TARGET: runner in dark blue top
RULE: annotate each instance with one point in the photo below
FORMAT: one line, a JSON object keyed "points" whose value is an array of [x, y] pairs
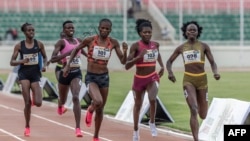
{"points": [[30, 51]]}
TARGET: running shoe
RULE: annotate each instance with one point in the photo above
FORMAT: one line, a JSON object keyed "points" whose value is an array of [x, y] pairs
{"points": [[88, 118], [61, 110], [136, 136], [27, 132], [96, 139], [78, 132], [153, 129]]}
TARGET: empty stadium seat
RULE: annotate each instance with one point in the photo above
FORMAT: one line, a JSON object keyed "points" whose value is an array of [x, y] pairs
{"points": [[221, 26], [49, 25]]}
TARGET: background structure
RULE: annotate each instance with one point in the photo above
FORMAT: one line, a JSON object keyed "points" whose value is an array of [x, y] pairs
{"points": [[225, 23]]}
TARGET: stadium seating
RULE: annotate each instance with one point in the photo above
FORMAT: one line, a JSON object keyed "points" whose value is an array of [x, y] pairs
{"points": [[220, 18], [218, 27], [49, 25]]}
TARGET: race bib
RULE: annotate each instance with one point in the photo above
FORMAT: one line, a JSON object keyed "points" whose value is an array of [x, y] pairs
{"points": [[150, 56], [101, 53], [33, 58], [76, 62], [192, 56]]}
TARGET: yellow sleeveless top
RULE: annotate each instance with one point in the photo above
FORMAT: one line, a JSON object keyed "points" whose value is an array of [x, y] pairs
{"points": [[193, 53]]}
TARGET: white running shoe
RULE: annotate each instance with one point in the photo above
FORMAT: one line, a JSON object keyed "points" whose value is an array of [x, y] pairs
{"points": [[153, 129], [136, 136]]}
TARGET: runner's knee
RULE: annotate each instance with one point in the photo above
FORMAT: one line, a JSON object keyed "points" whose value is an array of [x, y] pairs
{"points": [[38, 104], [203, 115], [98, 103], [75, 98], [194, 110]]}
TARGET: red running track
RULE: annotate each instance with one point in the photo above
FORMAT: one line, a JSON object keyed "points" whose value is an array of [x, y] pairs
{"points": [[47, 125]]}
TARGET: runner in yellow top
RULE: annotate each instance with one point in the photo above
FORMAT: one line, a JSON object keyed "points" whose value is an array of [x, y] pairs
{"points": [[195, 86]]}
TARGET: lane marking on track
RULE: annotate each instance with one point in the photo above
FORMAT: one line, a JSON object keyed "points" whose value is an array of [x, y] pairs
{"points": [[49, 104], [52, 121], [12, 135]]}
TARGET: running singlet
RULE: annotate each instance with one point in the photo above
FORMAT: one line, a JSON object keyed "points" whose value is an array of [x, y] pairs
{"points": [[193, 53], [149, 59], [76, 62], [31, 54], [99, 54]]}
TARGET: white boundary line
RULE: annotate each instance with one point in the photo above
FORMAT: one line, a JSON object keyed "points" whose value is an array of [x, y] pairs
{"points": [[168, 132], [51, 121], [12, 135]]}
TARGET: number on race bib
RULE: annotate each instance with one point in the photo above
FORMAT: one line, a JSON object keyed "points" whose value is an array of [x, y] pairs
{"points": [[76, 62], [101, 53], [191, 56], [33, 58], [150, 56]]}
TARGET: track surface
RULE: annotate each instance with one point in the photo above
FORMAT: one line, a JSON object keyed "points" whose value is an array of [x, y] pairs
{"points": [[47, 125]]}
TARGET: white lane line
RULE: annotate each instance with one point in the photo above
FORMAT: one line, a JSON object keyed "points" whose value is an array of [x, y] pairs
{"points": [[52, 121], [12, 135]]}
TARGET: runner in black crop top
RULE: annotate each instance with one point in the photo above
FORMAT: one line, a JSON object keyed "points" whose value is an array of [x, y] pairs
{"points": [[32, 54], [29, 72]]}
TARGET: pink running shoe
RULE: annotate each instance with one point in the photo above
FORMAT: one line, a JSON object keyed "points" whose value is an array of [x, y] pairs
{"points": [[88, 118], [78, 132], [27, 132], [96, 139], [61, 110]]}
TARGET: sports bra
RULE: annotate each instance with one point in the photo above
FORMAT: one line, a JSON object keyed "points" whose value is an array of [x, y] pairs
{"points": [[76, 62], [149, 59], [99, 54], [193, 53]]}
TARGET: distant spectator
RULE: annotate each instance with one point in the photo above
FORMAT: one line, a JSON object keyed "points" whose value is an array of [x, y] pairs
{"points": [[138, 5], [11, 35], [14, 34], [8, 35], [130, 12]]}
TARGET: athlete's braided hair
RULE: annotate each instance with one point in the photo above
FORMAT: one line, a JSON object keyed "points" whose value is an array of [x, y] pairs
{"points": [[140, 23], [23, 27], [185, 25]]}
